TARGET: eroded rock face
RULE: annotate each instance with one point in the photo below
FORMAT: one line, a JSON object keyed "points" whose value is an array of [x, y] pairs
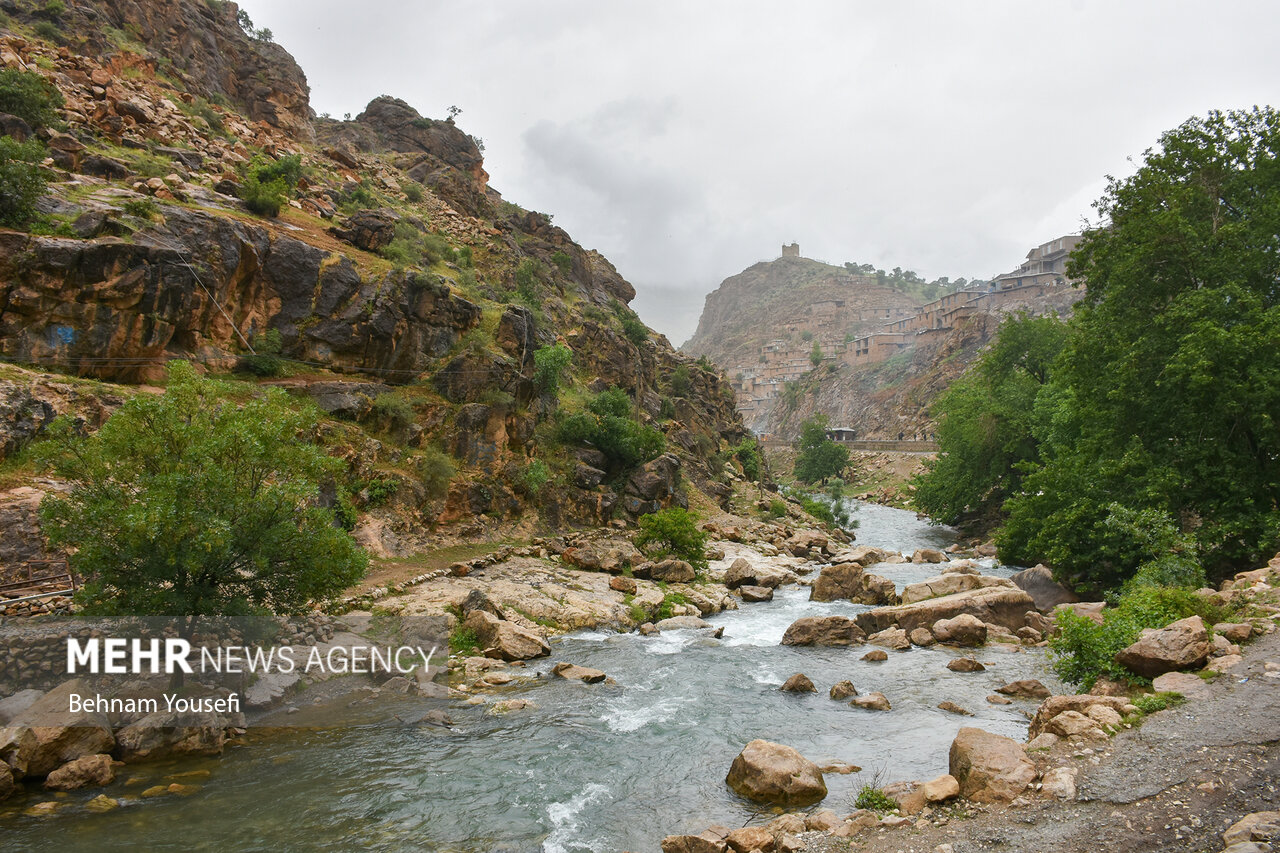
{"points": [[823, 631], [91, 771], [849, 581], [604, 555], [61, 735], [772, 773], [989, 768], [1080, 703], [949, 584], [1180, 645], [164, 735], [1047, 593]]}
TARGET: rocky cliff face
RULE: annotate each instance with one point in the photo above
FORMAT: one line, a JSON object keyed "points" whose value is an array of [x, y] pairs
{"points": [[201, 44], [406, 299], [777, 299]]}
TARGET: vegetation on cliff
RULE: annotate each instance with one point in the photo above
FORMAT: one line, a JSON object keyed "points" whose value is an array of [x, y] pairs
{"points": [[1159, 415]]}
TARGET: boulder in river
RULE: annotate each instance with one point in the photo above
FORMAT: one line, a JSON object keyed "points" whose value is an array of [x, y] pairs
{"points": [[1025, 688], [91, 771], [505, 640], [890, 638], [875, 656], [989, 768], [672, 571], [962, 630], [742, 572], [165, 734], [997, 605], [872, 702], [573, 672], [928, 555], [799, 683], [59, 735], [823, 631], [751, 593], [693, 844], [949, 584], [965, 665], [843, 690], [773, 773], [842, 581]]}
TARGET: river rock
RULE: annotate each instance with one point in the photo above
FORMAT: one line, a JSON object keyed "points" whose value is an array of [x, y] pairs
{"points": [[506, 706], [962, 630], [949, 584], [823, 631], [872, 702], [91, 771], [996, 699], [692, 844], [998, 605], [890, 638], [799, 683], [849, 581], [1259, 826], [1070, 724], [1180, 645], [942, 788], [572, 672], [1235, 632], [164, 735], [875, 656], [751, 593], [773, 773], [1188, 684], [953, 708], [807, 543], [1025, 688], [1055, 705], [12, 706], [823, 820], [101, 804], [742, 572], [921, 637], [7, 784], [1044, 740], [677, 622], [1091, 610], [928, 555], [505, 640], [863, 555], [622, 584], [1060, 783], [965, 665], [989, 768], [604, 555], [672, 571], [17, 745], [60, 735], [843, 690], [1047, 593], [750, 838]]}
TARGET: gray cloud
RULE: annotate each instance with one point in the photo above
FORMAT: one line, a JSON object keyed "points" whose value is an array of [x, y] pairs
{"points": [[687, 140]]}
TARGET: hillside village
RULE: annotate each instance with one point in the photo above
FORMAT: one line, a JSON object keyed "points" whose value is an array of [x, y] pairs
{"points": [[1040, 284]]}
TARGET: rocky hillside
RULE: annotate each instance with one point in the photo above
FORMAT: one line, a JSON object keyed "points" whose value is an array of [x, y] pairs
{"points": [[786, 298], [394, 288]]}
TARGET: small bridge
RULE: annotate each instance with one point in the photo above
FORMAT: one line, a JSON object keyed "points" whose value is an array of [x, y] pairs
{"points": [[36, 579]]}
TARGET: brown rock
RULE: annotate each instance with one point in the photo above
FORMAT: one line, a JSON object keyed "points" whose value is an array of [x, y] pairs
{"points": [[1251, 828], [1091, 610], [823, 631], [1026, 688], [572, 672], [891, 638], [843, 690], [999, 700], [928, 555], [741, 572], [998, 605], [755, 593], [799, 683], [1074, 724], [625, 585], [7, 785], [989, 768], [875, 656], [773, 773], [60, 735], [91, 771], [672, 571], [965, 665], [503, 640], [1047, 593], [949, 584], [953, 708], [1180, 645], [1235, 632], [1055, 705], [962, 630], [942, 788], [750, 838], [921, 637], [604, 555], [872, 702], [164, 735], [848, 581]]}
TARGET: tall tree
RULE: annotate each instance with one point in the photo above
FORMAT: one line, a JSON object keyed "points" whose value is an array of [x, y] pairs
{"points": [[820, 458], [1167, 398]]}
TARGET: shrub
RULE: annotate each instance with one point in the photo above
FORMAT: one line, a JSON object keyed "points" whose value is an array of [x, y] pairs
{"points": [[378, 491], [392, 410], [533, 477], [875, 800], [563, 262], [28, 96], [674, 533], [48, 31], [548, 365], [777, 508], [436, 469], [528, 275], [269, 184], [1083, 650], [358, 197], [748, 454], [464, 642], [464, 257], [1152, 702], [633, 329], [413, 192], [681, 384], [143, 208], [608, 426], [265, 360], [53, 9], [21, 181]]}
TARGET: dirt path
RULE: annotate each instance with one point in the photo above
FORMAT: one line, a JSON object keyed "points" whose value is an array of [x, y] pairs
{"points": [[1171, 785]]}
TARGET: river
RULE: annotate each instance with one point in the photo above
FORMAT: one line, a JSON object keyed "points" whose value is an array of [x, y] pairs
{"points": [[593, 768]]}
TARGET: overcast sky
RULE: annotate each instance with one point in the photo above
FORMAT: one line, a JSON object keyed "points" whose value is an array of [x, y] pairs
{"points": [[688, 139]]}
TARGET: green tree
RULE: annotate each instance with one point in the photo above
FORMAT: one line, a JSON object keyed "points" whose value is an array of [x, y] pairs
{"points": [[1167, 397], [815, 356], [820, 458], [608, 426], [188, 505], [21, 181], [548, 365], [985, 422], [674, 533], [29, 96]]}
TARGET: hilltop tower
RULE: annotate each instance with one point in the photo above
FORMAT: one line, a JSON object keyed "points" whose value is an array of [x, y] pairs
{"points": [[791, 251]]}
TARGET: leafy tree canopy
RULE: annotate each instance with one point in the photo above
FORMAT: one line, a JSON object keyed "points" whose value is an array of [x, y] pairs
{"points": [[1166, 401], [188, 504], [820, 458]]}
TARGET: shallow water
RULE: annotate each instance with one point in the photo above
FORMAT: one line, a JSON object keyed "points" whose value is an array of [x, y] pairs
{"points": [[594, 767]]}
